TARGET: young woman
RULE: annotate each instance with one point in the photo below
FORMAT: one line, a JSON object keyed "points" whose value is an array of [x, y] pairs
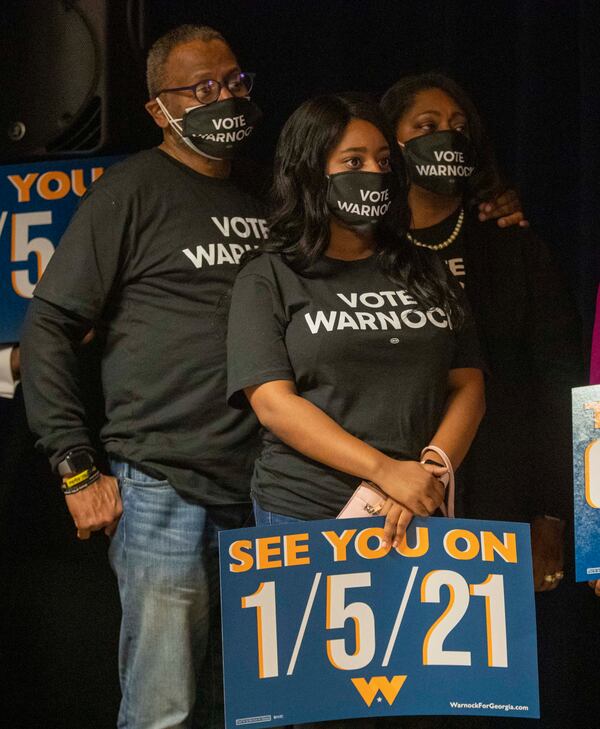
{"points": [[519, 466], [352, 346]]}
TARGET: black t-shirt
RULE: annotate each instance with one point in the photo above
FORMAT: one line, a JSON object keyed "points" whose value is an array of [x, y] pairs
{"points": [[454, 254], [152, 252], [358, 348]]}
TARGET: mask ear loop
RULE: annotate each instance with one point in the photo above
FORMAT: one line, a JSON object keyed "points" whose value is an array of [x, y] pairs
{"points": [[179, 129], [407, 180], [172, 121]]}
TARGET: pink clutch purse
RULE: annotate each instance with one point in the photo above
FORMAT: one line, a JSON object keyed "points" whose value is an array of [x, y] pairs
{"points": [[367, 500]]}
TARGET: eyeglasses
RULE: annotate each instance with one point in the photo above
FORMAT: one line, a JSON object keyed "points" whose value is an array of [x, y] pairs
{"points": [[238, 83]]}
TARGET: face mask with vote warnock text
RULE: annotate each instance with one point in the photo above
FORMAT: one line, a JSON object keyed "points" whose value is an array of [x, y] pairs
{"points": [[441, 162], [217, 130], [360, 198]]}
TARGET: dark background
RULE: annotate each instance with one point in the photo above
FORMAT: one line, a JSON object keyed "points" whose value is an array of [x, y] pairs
{"points": [[533, 68]]}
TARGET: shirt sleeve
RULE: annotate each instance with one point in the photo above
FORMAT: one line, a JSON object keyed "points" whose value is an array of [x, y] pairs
{"points": [[50, 364], [7, 383], [86, 265], [68, 301], [256, 351]]}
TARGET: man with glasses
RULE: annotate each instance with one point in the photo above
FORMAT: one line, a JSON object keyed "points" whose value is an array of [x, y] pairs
{"points": [[148, 260]]}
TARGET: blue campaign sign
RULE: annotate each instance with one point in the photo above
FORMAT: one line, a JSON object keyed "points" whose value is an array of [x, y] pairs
{"points": [[36, 204], [321, 622], [586, 480]]}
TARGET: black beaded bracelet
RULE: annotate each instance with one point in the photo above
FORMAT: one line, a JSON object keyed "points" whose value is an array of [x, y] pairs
{"points": [[430, 462]]}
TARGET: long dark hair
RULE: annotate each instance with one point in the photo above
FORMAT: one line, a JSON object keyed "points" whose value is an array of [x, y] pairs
{"points": [[486, 182], [299, 216]]}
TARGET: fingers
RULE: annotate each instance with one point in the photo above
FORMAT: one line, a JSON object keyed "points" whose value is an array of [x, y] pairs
{"points": [[436, 491], [514, 219], [437, 471], [397, 520], [89, 336], [418, 508], [112, 528], [427, 504], [401, 527], [387, 505], [505, 204], [595, 585], [553, 583], [547, 578], [83, 533], [506, 208], [432, 504], [391, 520]]}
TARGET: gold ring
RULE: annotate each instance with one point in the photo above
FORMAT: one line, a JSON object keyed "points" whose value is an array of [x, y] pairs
{"points": [[559, 575], [550, 578]]}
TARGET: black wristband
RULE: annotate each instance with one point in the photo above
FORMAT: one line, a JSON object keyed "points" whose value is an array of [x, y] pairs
{"points": [[430, 462]]}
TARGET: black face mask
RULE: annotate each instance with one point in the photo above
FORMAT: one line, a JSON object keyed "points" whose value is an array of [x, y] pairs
{"points": [[440, 162], [360, 198], [218, 130]]}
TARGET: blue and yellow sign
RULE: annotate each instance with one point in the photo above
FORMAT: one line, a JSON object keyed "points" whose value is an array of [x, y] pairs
{"points": [[320, 621], [586, 479], [37, 201]]}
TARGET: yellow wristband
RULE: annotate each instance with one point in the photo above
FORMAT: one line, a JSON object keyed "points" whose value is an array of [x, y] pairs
{"points": [[76, 479]]}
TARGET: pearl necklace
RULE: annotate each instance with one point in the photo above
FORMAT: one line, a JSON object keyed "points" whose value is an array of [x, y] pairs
{"points": [[450, 239]]}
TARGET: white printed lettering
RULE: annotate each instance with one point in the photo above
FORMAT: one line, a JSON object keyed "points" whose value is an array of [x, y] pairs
{"points": [[352, 301], [448, 156], [217, 254], [321, 320], [242, 227], [345, 321], [456, 266], [364, 299], [421, 318], [201, 254], [237, 251], [374, 196], [230, 122], [390, 318], [442, 322], [223, 255], [406, 298], [366, 320], [223, 227]]}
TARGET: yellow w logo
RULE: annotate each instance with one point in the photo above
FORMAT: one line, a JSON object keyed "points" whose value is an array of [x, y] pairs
{"points": [[369, 689]]}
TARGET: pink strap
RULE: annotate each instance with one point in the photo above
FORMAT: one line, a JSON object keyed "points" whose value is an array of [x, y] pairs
{"points": [[451, 485]]}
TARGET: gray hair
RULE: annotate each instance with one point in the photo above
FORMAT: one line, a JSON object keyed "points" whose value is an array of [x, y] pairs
{"points": [[160, 50]]}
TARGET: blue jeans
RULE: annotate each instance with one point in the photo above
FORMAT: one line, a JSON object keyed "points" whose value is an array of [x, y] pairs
{"points": [[266, 518], [164, 553]]}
